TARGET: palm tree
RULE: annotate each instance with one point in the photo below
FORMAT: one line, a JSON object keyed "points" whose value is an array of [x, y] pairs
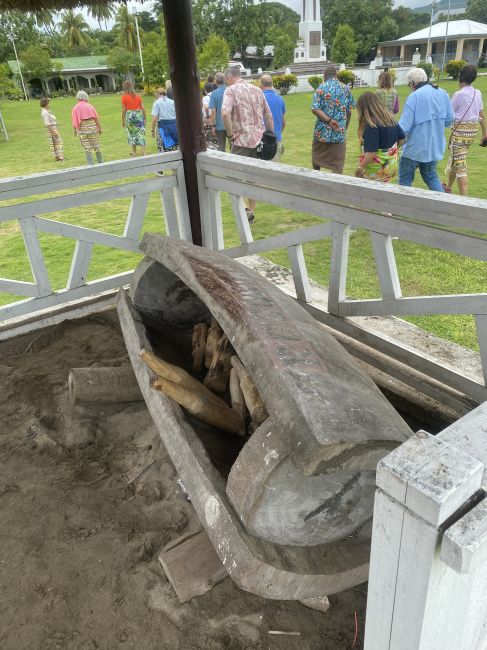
{"points": [[102, 12], [75, 30], [125, 26], [45, 19]]}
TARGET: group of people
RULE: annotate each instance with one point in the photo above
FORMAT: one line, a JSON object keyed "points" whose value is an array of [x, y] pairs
{"points": [[86, 123], [239, 112], [420, 132]]}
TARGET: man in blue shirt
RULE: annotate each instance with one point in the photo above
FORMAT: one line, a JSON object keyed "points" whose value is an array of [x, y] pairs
{"points": [[164, 118], [332, 105], [427, 112], [215, 106], [278, 110]]}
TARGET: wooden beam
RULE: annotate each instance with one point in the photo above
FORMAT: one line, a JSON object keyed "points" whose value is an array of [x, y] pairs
{"points": [[181, 48]]}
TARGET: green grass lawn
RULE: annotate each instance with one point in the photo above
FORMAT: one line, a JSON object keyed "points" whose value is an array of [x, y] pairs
{"points": [[423, 271]]}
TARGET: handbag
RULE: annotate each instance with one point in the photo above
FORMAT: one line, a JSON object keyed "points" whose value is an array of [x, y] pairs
{"points": [[267, 147]]}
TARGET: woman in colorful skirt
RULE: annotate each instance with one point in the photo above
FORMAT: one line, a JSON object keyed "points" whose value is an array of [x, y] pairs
{"points": [[380, 136], [469, 112], [53, 136], [387, 93], [86, 125], [133, 118]]}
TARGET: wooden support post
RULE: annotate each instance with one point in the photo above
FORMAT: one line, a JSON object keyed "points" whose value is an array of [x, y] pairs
{"points": [[181, 48], [427, 524]]}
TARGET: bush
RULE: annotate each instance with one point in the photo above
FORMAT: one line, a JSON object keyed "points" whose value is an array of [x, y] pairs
{"points": [[427, 67], [150, 89], [347, 77], [315, 81], [284, 82], [453, 68]]}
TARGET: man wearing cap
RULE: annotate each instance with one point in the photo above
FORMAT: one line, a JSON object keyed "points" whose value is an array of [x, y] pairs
{"points": [[332, 105], [278, 110]]}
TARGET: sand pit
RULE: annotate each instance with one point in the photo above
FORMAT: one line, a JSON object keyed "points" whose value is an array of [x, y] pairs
{"points": [[79, 542]]}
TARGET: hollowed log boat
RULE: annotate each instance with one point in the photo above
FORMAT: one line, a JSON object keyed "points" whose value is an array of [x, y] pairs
{"points": [[289, 508]]}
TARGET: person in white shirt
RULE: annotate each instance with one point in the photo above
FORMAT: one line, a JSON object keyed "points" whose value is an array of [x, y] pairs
{"points": [[53, 135], [164, 126]]}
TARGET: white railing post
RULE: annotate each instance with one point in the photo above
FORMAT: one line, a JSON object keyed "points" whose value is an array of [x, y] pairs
{"points": [[340, 240], [425, 487], [300, 273], [36, 258]]}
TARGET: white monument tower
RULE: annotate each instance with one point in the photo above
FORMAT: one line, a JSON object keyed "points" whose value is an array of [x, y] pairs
{"points": [[310, 47]]}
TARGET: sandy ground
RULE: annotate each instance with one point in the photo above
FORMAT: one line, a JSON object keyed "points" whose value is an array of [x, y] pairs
{"points": [[79, 546]]}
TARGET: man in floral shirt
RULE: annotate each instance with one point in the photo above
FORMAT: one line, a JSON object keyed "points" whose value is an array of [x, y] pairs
{"points": [[245, 112], [332, 105]]}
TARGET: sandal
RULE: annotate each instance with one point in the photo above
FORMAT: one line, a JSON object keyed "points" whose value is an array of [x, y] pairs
{"points": [[446, 188]]}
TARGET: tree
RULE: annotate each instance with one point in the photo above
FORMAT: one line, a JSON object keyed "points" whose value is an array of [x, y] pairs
{"points": [[102, 12], [36, 61], [344, 46], [8, 87], [477, 10], [284, 46], [125, 28], [156, 59], [214, 55], [147, 22], [21, 27], [75, 30], [45, 19], [121, 60], [409, 21], [365, 17]]}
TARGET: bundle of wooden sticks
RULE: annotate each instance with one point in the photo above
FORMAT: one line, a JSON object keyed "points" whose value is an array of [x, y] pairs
{"points": [[227, 398]]}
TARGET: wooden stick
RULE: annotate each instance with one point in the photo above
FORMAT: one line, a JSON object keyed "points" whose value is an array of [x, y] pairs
{"points": [[238, 402], [200, 332], [219, 371], [190, 393], [253, 400], [214, 335], [114, 384], [204, 405]]}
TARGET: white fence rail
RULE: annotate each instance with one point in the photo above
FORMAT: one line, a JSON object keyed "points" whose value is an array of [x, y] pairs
{"points": [[39, 293], [444, 222]]}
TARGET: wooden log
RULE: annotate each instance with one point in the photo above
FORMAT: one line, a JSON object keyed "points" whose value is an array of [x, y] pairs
{"points": [[253, 400], [214, 335], [203, 405], [200, 332], [117, 384], [219, 371], [192, 395], [238, 402]]}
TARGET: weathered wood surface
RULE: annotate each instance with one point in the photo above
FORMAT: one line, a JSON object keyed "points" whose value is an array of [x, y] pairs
{"points": [[99, 385], [279, 572], [192, 565], [334, 417]]}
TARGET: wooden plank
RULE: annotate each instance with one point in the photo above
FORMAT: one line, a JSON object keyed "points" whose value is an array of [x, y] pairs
{"points": [[15, 309], [182, 204], [417, 305], [88, 197], [313, 233], [19, 186], [206, 227], [481, 326], [241, 219], [300, 273], [36, 258], [85, 234], [444, 209], [136, 215], [401, 227], [464, 546], [338, 266], [216, 219], [385, 262], [170, 213], [192, 566], [387, 530], [80, 264], [19, 288]]}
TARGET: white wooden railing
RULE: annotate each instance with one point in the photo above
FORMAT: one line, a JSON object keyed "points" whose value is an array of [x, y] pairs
{"points": [[445, 222], [39, 293]]}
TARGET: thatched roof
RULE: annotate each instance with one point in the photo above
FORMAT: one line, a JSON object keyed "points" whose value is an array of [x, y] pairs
{"points": [[40, 5]]}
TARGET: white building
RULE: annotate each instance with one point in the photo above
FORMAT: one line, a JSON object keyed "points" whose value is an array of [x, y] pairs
{"points": [[465, 39], [310, 46]]}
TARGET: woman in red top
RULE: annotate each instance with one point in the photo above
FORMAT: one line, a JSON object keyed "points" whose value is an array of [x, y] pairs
{"points": [[133, 118]]}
